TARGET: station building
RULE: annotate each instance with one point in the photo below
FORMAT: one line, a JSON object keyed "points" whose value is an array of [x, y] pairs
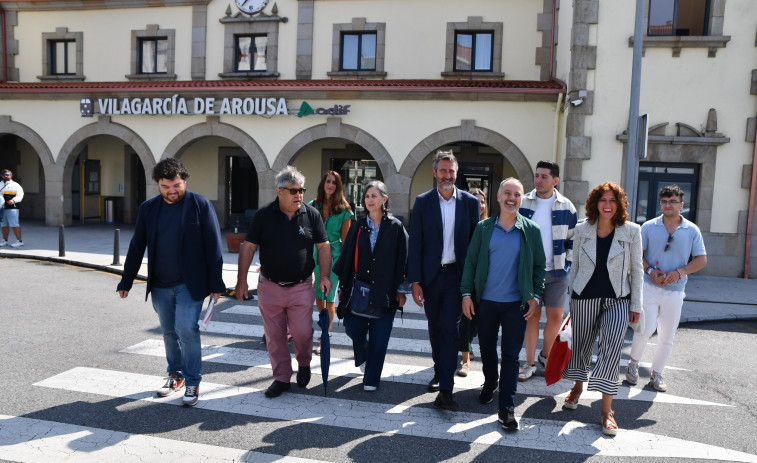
{"points": [[95, 92]]}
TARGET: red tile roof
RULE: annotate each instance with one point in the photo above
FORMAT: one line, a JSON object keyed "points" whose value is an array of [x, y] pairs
{"points": [[474, 86]]}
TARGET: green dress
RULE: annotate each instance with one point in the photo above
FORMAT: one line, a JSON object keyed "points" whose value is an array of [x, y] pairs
{"points": [[334, 231]]}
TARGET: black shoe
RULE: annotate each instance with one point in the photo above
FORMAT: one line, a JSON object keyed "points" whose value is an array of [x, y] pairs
{"points": [[507, 418], [445, 401], [303, 376], [433, 385], [487, 393], [275, 389]]}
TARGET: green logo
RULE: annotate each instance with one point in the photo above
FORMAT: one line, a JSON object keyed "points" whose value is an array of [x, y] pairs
{"points": [[305, 109]]}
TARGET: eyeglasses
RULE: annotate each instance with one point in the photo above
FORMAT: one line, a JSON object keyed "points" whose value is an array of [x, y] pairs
{"points": [[295, 191], [672, 202], [667, 245]]}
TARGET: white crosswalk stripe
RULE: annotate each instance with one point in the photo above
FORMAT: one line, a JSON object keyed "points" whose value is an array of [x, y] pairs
{"points": [[408, 364], [409, 374], [425, 422], [26, 439]]}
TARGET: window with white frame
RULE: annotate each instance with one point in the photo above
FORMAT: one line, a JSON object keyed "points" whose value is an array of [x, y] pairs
{"points": [[62, 55]]}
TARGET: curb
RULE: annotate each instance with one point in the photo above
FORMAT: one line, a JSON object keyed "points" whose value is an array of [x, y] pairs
{"points": [[74, 263]]}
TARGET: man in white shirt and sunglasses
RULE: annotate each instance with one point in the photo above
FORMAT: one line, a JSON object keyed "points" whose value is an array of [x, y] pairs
{"points": [[673, 248]]}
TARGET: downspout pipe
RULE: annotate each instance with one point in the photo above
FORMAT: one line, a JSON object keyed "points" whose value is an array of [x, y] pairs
{"points": [[5, 47], [552, 42], [750, 211]]}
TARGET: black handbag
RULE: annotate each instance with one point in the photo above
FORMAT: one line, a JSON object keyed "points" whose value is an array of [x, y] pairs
{"points": [[361, 292]]}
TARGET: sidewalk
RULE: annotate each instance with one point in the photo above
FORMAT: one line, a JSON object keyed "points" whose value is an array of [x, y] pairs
{"points": [[707, 298]]}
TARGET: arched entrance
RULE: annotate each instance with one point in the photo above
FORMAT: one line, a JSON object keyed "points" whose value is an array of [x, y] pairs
{"points": [[232, 178], [105, 164]]}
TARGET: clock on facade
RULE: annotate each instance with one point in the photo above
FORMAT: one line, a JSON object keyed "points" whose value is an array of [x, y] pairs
{"points": [[251, 6]]}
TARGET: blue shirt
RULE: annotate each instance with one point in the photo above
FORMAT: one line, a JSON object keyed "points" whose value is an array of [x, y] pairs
{"points": [[374, 231], [687, 241], [504, 256]]}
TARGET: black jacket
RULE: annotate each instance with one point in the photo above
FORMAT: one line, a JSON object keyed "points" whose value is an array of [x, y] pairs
{"points": [[386, 264]]}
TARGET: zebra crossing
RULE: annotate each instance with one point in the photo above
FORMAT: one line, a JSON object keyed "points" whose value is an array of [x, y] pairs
{"points": [[232, 340]]}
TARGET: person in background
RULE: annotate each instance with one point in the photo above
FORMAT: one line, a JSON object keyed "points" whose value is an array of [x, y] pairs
{"points": [[12, 194], [503, 292], [184, 264], [441, 225], [669, 240], [469, 326], [336, 214], [285, 231], [606, 282], [556, 217], [380, 241]]}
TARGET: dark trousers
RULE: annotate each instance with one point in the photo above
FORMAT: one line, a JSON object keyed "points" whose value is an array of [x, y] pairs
{"points": [[492, 315], [370, 338], [444, 307]]}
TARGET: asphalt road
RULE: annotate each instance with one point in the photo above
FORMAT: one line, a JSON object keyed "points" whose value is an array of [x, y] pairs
{"points": [[80, 367]]}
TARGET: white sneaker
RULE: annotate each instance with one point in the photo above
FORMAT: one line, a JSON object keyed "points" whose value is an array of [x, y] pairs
{"points": [[369, 388], [542, 359], [526, 372], [17, 244], [3, 243], [632, 373], [657, 382]]}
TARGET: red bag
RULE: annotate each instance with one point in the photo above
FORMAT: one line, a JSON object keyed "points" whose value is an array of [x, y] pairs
{"points": [[559, 356]]}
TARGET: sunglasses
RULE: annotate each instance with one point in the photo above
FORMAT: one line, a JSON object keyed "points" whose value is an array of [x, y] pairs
{"points": [[667, 245], [295, 191]]}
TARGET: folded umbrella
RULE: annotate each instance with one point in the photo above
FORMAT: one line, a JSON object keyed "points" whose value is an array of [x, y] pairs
{"points": [[323, 322]]}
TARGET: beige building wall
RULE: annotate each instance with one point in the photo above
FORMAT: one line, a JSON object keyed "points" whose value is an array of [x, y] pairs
{"points": [[106, 49]]}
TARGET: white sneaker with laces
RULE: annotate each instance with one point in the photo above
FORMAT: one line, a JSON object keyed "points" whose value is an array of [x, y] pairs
{"points": [[526, 372], [632, 373], [3, 243], [17, 244], [657, 382], [191, 395]]}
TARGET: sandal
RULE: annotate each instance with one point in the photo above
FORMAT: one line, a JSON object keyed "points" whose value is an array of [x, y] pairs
{"points": [[609, 426], [571, 402]]}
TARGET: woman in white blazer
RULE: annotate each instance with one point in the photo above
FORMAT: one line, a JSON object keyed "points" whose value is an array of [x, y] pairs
{"points": [[606, 290]]}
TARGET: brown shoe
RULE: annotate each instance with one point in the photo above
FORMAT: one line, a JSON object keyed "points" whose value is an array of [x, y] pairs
{"points": [[609, 426], [571, 402]]}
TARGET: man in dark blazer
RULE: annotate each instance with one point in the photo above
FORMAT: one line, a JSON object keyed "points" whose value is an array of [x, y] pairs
{"points": [[184, 263], [441, 226]]}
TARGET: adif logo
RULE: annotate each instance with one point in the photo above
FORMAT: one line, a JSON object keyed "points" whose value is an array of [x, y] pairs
{"points": [[337, 110], [302, 231]]}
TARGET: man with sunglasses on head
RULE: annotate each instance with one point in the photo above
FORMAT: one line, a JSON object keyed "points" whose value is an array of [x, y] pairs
{"points": [[669, 241], [12, 194], [285, 231]]}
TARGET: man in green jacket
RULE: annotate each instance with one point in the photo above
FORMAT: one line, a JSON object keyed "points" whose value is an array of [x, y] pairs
{"points": [[503, 291]]}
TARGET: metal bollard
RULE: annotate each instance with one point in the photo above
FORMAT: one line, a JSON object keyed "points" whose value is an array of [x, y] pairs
{"points": [[116, 247], [61, 242]]}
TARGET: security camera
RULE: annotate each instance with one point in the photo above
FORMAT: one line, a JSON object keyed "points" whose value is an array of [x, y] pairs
{"points": [[577, 102]]}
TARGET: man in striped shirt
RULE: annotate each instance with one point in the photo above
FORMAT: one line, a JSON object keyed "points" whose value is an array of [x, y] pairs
{"points": [[556, 216]]}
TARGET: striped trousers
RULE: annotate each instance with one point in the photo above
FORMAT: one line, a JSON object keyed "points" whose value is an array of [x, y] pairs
{"points": [[608, 319]]}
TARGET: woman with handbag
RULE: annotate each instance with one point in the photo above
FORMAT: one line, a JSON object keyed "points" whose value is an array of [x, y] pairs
{"points": [[371, 268], [606, 293], [336, 214]]}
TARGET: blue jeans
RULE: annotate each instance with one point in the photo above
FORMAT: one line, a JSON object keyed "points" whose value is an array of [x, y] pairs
{"points": [[492, 315], [178, 314], [370, 339]]}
